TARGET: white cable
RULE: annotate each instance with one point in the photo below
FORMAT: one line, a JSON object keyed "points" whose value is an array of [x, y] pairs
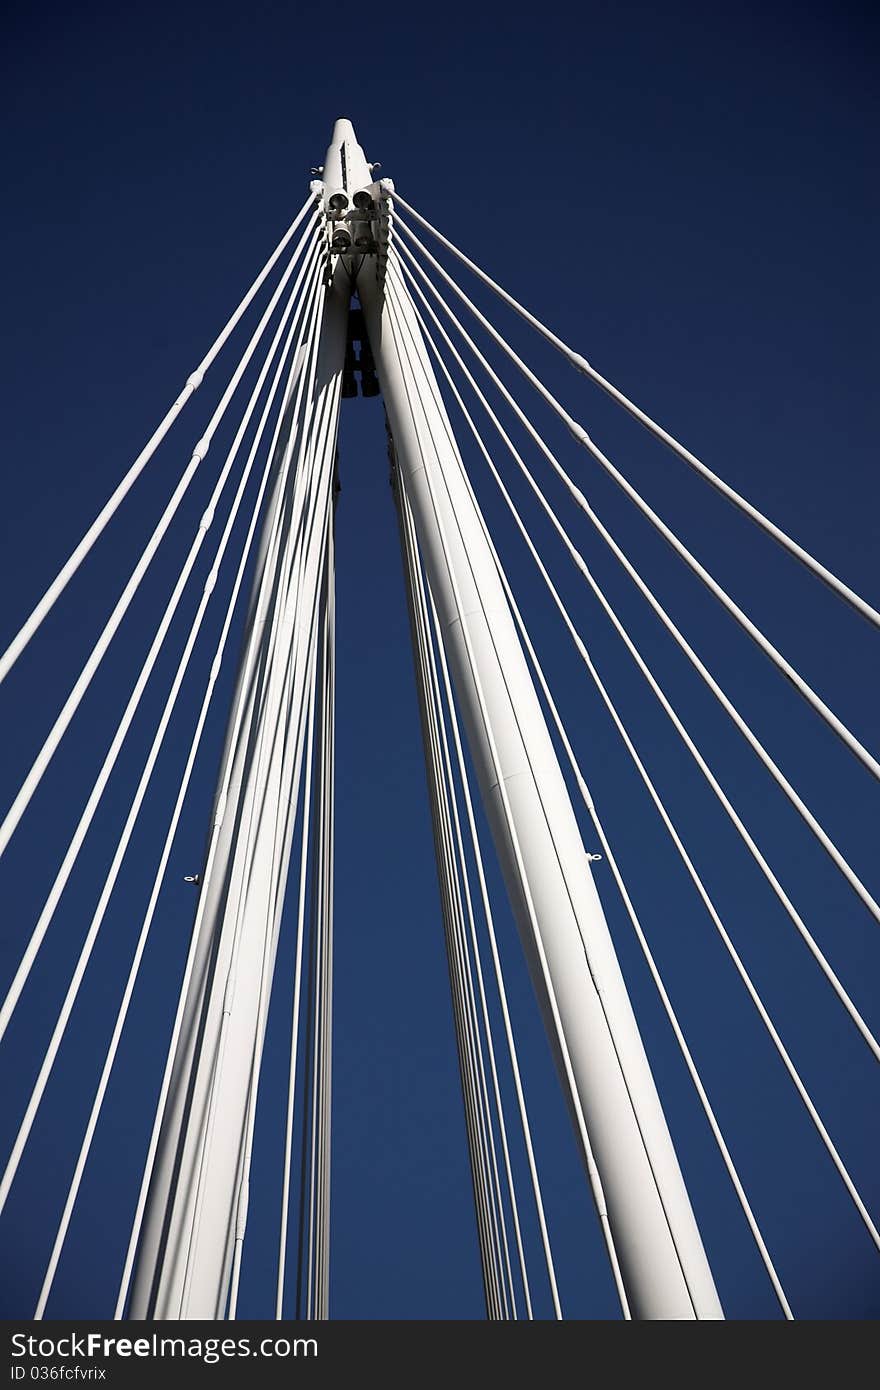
{"points": [[242, 1195], [317, 949], [288, 680], [582, 365], [499, 1224], [255, 644], [592, 1171], [751, 738], [327, 870], [71, 704], [312, 464], [319, 1176], [14, 993], [423, 590], [66, 573], [600, 996], [487, 909], [286, 675], [279, 1295], [755, 997], [391, 282], [502, 992], [679, 726], [496, 1260], [451, 862], [288, 684], [580, 434], [146, 775], [159, 876], [609, 854], [302, 701], [295, 1012]]}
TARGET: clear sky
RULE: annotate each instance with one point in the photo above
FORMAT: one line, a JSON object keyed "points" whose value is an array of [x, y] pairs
{"points": [[687, 193]]}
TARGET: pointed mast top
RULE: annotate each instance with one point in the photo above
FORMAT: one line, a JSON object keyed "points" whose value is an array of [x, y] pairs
{"points": [[346, 170]]}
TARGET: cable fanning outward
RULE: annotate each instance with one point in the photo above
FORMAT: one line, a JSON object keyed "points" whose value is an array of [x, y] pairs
{"points": [[83, 681], [193, 382], [184, 784], [590, 805], [587, 1148], [457, 904], [577, 431], [710, 906], [582, 365], [291, 638], [134, 810], [499, 977], [677, 723], [193, 1200], [744, 728], [100, 784], [257, 641]]}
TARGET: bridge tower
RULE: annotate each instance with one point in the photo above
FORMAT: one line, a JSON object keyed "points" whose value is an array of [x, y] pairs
{"points": [[196, 1207]]}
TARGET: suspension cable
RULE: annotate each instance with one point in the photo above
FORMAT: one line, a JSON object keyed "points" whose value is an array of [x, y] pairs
{"points": [[432, 623], [678, 724], [744, 728], [592, 1171], [499, 1110], [582, 437], [612, 861], [701, 889], [71, 704], [279, 873], [175, 817], [286, 680], [582, 365], [256, 643], [454, 844], [193, 382], [140, 793], [14, 993], [295, 1010]]}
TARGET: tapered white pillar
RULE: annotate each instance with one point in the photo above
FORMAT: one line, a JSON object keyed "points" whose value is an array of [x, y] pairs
{"points": [[664, 1266]]}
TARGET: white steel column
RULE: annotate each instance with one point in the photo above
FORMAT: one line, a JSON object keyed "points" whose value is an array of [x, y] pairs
{"points": [[198, 1196], [664, 1267]]}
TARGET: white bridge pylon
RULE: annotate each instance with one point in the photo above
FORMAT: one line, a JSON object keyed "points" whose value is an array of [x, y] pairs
{"points": [[351, 270], [187, 1260], [359, 293]]}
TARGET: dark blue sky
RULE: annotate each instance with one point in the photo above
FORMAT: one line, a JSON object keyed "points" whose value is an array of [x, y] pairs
{"points": [[685, 193]]}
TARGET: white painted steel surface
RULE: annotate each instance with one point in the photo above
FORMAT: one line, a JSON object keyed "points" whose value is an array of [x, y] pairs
{"points": [[664, 1266], [198, 1195]]}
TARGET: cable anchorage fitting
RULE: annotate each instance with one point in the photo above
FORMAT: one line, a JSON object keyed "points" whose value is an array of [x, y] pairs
{"points": [[580, 363], [579, 433]]}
